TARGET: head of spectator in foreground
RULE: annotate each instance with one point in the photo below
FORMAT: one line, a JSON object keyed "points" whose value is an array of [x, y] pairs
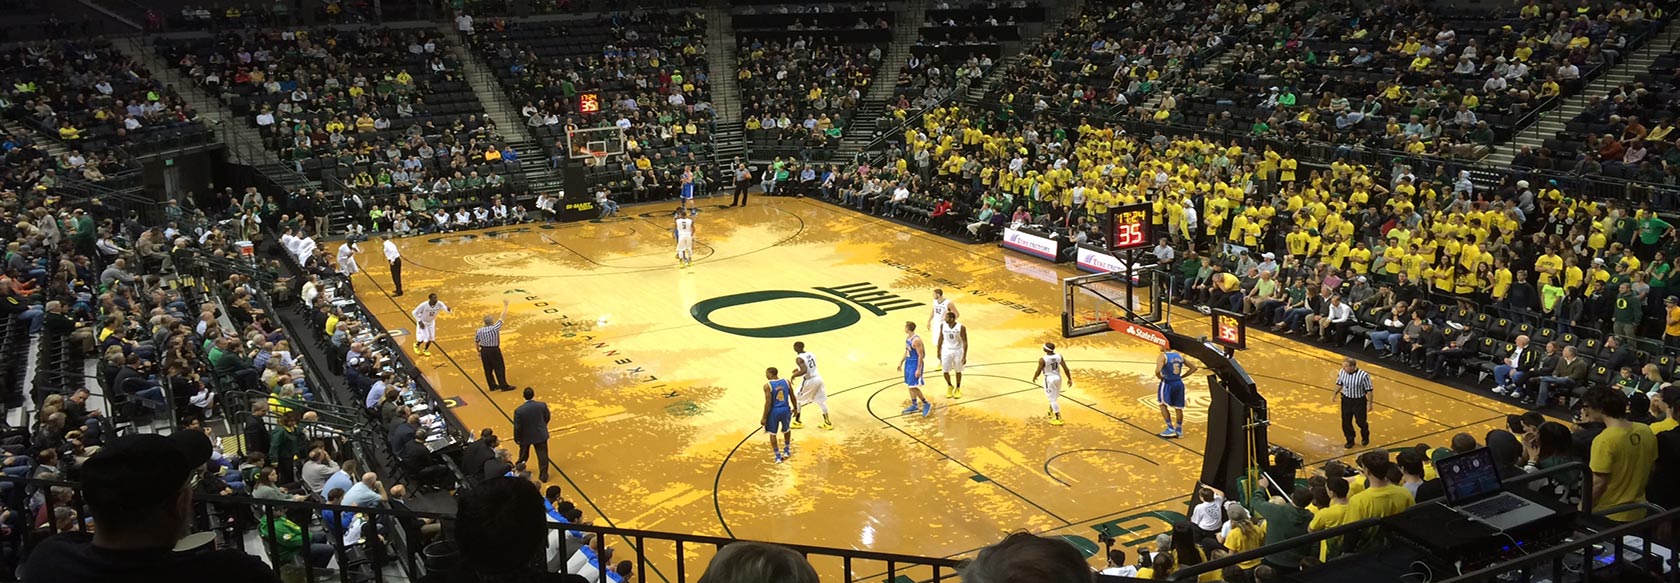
{"points": [[1463, 442], [755, 562], [139, 488], [1027, 558], [1603, 403], [500, 529]]}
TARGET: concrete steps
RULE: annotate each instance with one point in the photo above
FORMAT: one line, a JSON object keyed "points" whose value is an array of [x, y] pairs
{"points": [[488, 89], [1551, 122], [869, 122], [721, 65], [47, 144], [244, 142]]}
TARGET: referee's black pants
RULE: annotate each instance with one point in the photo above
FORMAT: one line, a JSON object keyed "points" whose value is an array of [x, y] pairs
{"points": [[740, 193], [1353, 412], [396, 274], [495, 369]]}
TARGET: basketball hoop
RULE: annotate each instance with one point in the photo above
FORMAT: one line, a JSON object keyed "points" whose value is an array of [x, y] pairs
{"points": [[598, 158]]}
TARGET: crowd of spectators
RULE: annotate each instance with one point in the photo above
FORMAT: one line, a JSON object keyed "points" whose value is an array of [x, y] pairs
{"points": [[1625, 134], [810, 8], [91, 96], [1612, 438], [648, 70], [803, 89], [397, 121], [253, 14], [1105, 59], [1404, 77], [1526, 252]]}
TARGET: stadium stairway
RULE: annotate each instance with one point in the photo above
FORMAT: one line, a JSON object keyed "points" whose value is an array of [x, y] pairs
{"points": [[730, 138], [533, 160], [51, 146], [866, 124], [720, 66], [488, 91], [1552, 122], [244, 144], [1054, 18], [1213, 66]]}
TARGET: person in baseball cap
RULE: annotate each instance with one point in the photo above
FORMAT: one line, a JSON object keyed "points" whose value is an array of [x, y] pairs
{"points": [[139, 490]]}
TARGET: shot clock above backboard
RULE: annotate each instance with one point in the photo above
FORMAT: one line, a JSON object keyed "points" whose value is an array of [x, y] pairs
{"points": [[589, 102], [1131, 227], [1229, 330]]}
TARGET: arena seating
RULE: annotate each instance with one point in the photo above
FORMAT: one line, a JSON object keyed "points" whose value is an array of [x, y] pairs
{"points": [[399, 117], [1445, 85], [1599, 141], [802, 91], [391, 127], [1112, 57], [90, 96], [189, 15], [651, 78]]}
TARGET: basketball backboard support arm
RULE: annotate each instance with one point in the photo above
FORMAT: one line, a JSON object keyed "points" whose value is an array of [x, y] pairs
{"points": [[1237, 416]]}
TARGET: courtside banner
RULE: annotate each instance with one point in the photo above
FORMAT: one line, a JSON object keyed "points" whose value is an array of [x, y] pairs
{"points": [[1094, 261], [1145, 333], [1035, 245]]}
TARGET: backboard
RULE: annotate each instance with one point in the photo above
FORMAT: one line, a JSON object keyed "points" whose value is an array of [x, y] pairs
{"points": [[593, 143]]}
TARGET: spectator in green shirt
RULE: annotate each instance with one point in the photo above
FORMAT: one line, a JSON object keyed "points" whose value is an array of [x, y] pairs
{"points": [[1550, 293], [1286, 520], [1652, 229], [1630, 308]]}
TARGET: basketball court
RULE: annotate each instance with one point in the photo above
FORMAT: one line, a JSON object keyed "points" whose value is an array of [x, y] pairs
{"points": [[654, 375]]}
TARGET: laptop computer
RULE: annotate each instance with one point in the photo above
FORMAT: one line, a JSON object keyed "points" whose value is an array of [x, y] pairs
{"points": [[1472, 483]]}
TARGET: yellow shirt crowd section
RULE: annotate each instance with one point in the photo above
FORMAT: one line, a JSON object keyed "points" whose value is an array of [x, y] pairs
{"points": [[1452, 250]]}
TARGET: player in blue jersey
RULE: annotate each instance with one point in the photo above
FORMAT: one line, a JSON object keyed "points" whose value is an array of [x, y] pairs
{"points": [[912, 363], [688, 187], [1171, 368], [779, 409]]}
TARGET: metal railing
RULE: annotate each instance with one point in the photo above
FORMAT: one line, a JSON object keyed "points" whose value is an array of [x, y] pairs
{"points": [[213, 513], [1352, 534], [1589, 556]]}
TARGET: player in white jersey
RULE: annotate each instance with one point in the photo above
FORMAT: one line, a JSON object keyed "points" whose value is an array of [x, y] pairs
{"points": [[685, 238], [1056, 373], [953, 353], [941, 305], [347, 259], [425, 323], [810, 391]]}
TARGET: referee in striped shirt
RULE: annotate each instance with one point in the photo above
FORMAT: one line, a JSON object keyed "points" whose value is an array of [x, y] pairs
{"points": [[1353, 390], [489, 340]]}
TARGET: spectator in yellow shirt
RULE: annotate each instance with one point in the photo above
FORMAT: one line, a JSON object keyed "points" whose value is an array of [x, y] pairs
{"points": [[1622, 456], [1382, 497]]}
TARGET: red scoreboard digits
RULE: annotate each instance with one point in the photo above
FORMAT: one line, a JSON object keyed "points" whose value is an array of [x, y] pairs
{"points": [[1229, 330], [1131, 227], [589, 102]]}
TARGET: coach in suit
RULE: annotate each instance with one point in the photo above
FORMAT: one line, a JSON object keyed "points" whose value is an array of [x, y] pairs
{"points": [[477, 453], [530, 430]]}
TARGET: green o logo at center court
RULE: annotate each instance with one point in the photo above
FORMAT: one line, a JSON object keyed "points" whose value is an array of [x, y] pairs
{"points": [[845, 316]]}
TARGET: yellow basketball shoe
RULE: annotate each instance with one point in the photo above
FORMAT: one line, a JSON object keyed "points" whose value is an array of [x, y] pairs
{"points": [[796, 424]]}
